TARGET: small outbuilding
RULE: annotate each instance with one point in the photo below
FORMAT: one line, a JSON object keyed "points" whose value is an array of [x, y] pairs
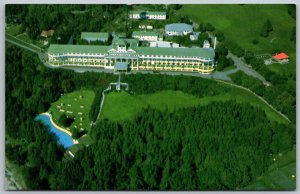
{"points": [[194, 36], [281, 57], [178, 29], [47, 33], [145, 35]]}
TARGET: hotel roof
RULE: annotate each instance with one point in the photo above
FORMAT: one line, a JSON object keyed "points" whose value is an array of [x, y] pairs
{"points": [[179, 27], [96, 49], [68, 48]]}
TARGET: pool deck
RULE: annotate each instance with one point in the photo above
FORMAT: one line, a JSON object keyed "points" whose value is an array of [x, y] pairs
{"points": [[60, 128]]}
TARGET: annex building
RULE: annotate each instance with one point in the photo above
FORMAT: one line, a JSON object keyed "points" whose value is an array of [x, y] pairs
{"points": [[137, 58], [148, 15], [146, 36], [95, 36]]}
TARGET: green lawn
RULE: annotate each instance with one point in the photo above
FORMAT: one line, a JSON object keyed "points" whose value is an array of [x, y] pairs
{"points": [[123, 106], [242, 24], [72, 102], [279, 174], [228, 68]]}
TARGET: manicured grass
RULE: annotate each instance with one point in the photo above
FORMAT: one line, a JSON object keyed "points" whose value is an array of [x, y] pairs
{"points": [[284, 68], [76, 102], [279, 174], [123, 106]]}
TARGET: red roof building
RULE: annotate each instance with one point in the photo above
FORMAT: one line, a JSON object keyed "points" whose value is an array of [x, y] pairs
{"points": [[281, 56], [47, 33]]}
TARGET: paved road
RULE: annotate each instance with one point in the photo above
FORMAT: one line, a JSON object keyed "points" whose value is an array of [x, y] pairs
{"points": [[24, 45], [241, 65]]}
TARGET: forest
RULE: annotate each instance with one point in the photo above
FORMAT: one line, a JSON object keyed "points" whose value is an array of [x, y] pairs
{"points": [[278, 95], [222, 146]]}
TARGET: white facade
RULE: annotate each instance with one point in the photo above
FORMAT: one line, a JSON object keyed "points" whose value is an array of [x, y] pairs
{"points": [[148, 15], [148, 27], [146, 37], [206, 44], [156, 17]]}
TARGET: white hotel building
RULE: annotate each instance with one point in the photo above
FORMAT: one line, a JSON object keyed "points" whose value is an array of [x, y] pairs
{"points": [[137, 58], [150, 36], [148, 15]]}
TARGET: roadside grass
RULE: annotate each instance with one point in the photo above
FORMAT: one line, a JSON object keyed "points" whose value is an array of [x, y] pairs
{"points": [[279, 174], [123, 106], [14, 29], [25, 38], [21, 42], [76, 102]]}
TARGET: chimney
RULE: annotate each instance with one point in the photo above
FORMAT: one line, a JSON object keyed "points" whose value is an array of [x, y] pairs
{"points": [[215, 42]]}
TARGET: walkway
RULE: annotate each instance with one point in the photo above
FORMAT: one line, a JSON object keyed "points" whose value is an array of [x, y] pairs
{"points": [[241, 65], [119, 83], [261, 98]]}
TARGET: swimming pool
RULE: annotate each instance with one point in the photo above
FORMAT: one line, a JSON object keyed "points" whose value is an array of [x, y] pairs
{"points": [[63, 138]]}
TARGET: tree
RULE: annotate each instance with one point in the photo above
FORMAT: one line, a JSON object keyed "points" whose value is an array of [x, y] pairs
{"points": [[209, 27], [292, 10], [221, 50], [220, 36], [293, 35], [75, 133], [67, 85], [224, 62], [175, 6], [65, 121], [269, 26], [266, 29]]}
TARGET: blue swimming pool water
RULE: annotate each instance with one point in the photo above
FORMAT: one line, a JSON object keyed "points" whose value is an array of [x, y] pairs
{"points": [[63, 138]]}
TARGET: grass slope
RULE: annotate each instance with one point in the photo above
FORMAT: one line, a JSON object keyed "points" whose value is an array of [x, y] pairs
{"points": [[86, 101], [279, 174], [243, 23], [123, 106]]}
